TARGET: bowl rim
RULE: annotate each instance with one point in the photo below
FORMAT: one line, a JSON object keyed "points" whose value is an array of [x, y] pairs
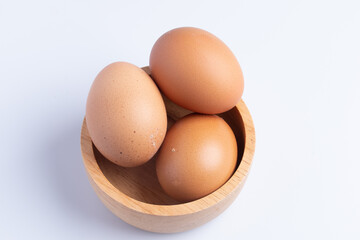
{"points": [[239, 176]]}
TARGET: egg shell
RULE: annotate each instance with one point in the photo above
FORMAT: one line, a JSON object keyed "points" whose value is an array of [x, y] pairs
{"points": [[196, 70], [197, 157], [125, 115]]}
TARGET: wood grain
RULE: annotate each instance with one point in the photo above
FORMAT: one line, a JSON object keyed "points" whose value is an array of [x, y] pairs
{"points": [[135, 196]]}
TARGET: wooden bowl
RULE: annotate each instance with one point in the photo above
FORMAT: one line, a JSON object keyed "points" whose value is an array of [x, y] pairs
{"points": [[135, 195]]}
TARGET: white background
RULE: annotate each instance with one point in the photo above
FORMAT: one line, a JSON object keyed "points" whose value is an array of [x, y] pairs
{"points": [[301, 62]]}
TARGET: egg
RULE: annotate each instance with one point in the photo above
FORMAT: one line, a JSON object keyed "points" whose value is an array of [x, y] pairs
{"points": [[198, 155], [125, 115], [196, 70]]}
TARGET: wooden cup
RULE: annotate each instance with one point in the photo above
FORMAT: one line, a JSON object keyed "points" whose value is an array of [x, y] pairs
{"points": [[135, 195]]}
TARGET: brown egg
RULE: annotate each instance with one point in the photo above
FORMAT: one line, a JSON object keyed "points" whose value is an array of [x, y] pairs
{"points": [[196, 70], [125, 115], [197, 157]]}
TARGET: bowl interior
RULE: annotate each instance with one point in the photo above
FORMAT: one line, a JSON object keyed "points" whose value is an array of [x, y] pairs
{"points": [[141, 183]]}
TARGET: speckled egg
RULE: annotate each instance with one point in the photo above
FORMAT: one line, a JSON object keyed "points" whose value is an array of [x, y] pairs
{"points": [[125, 115]]}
